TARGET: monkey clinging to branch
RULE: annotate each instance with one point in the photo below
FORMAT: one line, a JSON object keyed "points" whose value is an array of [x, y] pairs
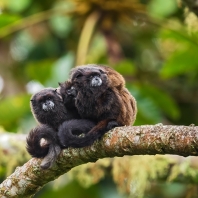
{"points": [[48, 109], [101, 96]]}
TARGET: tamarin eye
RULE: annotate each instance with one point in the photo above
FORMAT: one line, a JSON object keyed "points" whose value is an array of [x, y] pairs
{"points": [[102, 72], [95, 75]]}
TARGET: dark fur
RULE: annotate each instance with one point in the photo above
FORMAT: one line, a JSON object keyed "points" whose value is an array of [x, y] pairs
{"points": [[33, 140], [50, 151], [108, 103], [48, 109], [52, 117]]}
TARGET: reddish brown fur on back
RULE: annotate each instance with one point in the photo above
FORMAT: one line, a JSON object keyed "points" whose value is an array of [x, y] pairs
{"points": [[109, 104], [127, 103], [116, 79], [128, 108]]}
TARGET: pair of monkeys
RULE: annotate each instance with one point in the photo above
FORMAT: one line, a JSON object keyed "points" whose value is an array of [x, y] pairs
{"points": [[93, 101]]}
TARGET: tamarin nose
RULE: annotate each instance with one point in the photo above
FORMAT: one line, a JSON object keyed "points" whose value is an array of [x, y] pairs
{"points": [[48, 105], [96, 81]]}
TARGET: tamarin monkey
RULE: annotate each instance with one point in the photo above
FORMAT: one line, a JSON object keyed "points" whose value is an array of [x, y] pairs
{"points": [[101, 96], [50, 112]]}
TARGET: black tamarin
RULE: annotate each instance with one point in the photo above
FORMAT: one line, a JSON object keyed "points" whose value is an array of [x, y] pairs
{"points": [[50, 112], [101, 96]]}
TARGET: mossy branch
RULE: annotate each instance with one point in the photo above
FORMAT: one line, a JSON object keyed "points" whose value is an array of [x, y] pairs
{"points": [[133, 140]]}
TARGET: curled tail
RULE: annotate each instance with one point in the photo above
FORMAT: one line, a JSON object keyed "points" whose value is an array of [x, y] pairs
{"points": [[50, 158], [38, 141], [91, 132], [42, 143]]}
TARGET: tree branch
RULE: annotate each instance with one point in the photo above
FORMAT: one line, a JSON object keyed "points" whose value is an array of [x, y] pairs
{"points": [[133, 140]]}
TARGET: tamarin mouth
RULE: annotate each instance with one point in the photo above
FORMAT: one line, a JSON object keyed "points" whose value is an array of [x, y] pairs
{"points": [[48, 105], [96, 81]]}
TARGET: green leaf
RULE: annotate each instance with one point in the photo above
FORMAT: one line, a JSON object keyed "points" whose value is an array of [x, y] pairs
{"points": [[181, 62], [61, 69], [61, 25], [39, 70], [179, 35], [166, 104], [97, 50], [6, 19], [18, 6], [162, 8], [148, 111], [13, 109], [125, 67]]}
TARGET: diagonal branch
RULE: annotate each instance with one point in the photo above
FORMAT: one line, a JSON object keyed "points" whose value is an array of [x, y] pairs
{"points": [[133, 140]]}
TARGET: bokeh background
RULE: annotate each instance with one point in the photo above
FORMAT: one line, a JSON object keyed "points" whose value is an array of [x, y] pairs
{"points": [[152, 43]]}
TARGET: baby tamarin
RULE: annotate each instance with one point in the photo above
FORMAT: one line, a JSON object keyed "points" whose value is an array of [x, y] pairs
{"points": [[101, 97], [48, 109]]}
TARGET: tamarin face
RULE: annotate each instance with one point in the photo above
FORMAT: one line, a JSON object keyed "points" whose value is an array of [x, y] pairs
{"points": [[89, 78], [47, 106], [68, 94]]}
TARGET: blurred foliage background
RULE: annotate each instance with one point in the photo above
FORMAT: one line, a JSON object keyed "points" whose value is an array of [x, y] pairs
{"points": [[153, 43]]}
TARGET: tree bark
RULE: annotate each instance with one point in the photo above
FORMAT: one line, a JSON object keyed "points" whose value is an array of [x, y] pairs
{"points": [[132, 140]]}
